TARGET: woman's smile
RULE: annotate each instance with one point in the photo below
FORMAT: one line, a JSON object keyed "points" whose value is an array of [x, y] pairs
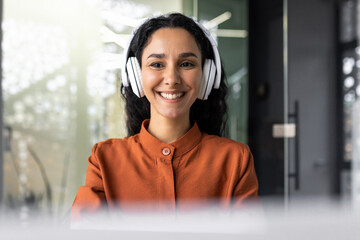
{"points": [[172, 96]]}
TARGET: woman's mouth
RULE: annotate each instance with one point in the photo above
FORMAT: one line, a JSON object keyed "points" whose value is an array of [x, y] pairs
{"points": [[172, 96]]}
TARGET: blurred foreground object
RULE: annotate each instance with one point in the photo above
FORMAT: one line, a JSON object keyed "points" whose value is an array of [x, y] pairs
{"points": [[307, 219]]}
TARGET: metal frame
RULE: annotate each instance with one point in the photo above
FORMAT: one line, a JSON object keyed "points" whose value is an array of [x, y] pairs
{"points": [[1, 118], [286, 101]]}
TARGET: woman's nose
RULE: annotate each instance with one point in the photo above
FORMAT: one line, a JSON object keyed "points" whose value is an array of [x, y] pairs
{"points": [[172, 76]]}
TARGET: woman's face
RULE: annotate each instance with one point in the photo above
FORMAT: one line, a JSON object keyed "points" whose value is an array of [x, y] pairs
{"points": [[171, 72]]}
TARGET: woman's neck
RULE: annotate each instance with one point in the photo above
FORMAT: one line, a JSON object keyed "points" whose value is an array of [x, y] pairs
{"points": [[168, 130]]}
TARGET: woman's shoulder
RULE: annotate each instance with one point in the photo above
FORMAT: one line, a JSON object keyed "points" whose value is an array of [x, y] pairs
{"points": [[224, 143], [116, 142]]}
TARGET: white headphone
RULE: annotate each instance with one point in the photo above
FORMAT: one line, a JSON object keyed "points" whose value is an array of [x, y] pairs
{"points": [[131, 71]]}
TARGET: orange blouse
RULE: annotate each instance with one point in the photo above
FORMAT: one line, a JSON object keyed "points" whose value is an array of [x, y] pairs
{"points": [[141, 168]]}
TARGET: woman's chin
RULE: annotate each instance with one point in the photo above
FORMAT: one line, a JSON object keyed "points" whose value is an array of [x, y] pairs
{"points": [[175, 115]]}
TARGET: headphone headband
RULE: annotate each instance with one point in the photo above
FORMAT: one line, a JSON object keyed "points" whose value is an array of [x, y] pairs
{"points": [[134, 79]]}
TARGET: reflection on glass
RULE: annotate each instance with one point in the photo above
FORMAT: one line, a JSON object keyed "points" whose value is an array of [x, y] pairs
{"points": [[44, 50], [348, 65], [349, 82], [349, 97]]}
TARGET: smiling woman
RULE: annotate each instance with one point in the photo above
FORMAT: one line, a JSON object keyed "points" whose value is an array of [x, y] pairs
{"points": [[171, 73], [174, 89]]}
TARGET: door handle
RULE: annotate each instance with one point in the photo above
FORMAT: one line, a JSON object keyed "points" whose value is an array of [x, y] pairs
{"points": [[296, 173]]}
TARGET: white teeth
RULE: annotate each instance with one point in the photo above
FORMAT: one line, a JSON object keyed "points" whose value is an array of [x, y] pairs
{"points": [[171, 96]]}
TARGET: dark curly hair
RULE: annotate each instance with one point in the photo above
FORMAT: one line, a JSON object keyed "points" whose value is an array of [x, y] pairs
{"points": [[210, 114]]}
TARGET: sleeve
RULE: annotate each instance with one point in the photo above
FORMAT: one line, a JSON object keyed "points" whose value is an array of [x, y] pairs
{"points": [[246, 188], [90, 197]]}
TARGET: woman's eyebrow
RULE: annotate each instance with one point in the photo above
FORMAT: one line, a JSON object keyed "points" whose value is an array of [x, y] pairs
{"points": [[182, 55], [156, 55], [187, 54]]}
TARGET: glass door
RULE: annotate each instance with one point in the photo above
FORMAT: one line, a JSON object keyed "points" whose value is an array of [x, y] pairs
{"points": [[310, 93], [292, 98]]}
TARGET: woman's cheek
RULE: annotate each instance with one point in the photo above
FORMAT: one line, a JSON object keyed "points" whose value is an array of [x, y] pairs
{"points": [[150, 80]]}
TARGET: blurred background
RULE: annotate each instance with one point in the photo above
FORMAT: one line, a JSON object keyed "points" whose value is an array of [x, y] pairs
{"points": [[292, 68]]}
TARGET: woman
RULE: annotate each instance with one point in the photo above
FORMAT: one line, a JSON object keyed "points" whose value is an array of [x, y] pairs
{"points": [[174, 89]]}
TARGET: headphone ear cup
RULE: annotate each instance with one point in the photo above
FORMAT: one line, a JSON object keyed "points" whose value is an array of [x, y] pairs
{"points": [[209, 71], [135, 77], [203, 81]]}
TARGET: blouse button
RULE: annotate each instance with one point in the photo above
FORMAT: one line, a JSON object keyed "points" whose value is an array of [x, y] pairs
{"points": [[166, 151]]}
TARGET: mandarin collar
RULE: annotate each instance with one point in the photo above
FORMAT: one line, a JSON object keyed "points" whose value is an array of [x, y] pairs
{"points": [[179, 147]]}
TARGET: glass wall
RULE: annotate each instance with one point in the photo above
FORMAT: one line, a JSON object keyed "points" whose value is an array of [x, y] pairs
{"points": [[61, 80]]}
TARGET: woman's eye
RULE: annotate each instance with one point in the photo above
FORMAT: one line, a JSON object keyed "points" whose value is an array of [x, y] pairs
{"points": [[187, 64], [156, 65]]}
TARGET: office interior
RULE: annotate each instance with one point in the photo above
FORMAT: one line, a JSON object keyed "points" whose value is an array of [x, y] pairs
{"points": [[292, 70]]}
